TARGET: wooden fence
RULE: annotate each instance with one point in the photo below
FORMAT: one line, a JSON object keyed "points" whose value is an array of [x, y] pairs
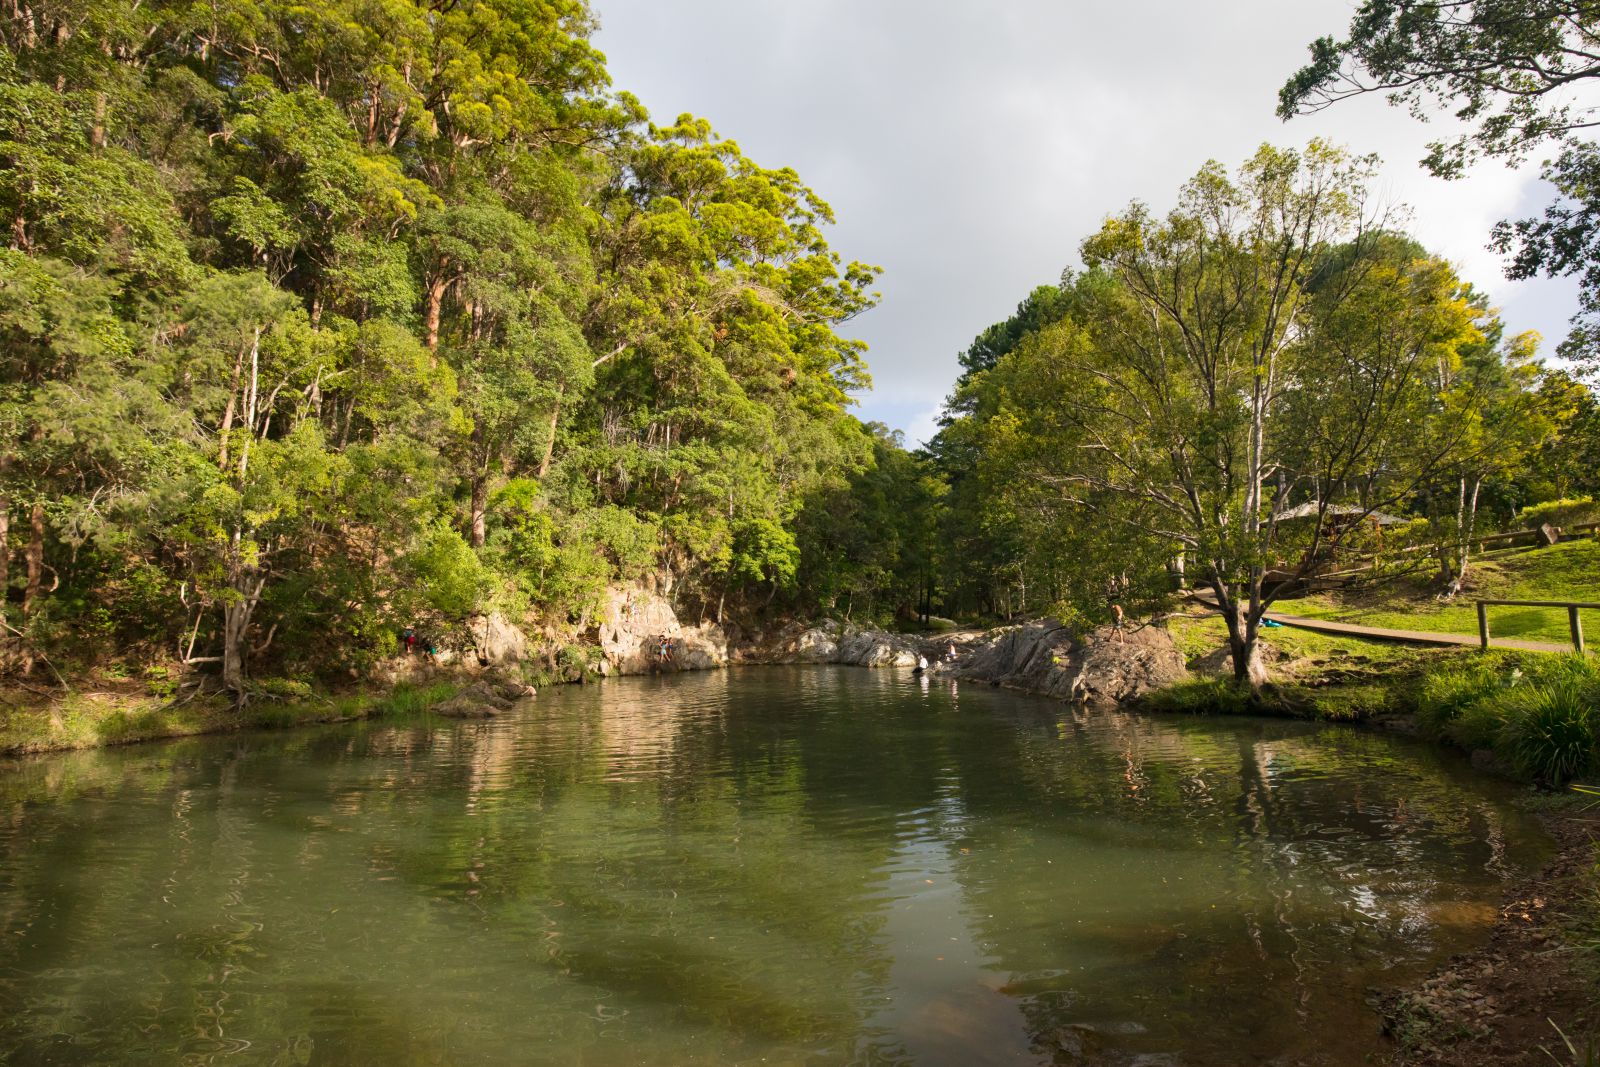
{"points": [[1574, 623]]}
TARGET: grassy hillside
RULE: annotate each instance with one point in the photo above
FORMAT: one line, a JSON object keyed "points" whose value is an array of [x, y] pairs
{"points": [[1339, 677], [1569, 571]]}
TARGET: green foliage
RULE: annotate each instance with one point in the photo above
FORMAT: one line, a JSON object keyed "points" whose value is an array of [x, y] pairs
{"points": [[320, 321], [1449, 690], [1512, 71], [448, 574], [408, 700], [1240, 384], [1541, 712], [868, 548], [1549, 730], [1559, 513]]}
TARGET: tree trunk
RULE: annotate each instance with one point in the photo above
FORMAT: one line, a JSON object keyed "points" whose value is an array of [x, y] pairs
{"points": [[550, 442], [1245, 647], [430, 322], [5, 545], [477, 521], [235, 621], [1466, 525], [35, 559]]}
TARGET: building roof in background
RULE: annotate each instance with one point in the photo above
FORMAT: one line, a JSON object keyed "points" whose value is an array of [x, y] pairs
{"points": [[1340, 511]]}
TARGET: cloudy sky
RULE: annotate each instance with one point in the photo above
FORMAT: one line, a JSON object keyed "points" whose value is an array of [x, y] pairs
{"points": [[968, 146]]}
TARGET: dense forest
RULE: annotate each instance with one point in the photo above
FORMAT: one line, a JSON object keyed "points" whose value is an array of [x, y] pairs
{"points": [[317, 322]]}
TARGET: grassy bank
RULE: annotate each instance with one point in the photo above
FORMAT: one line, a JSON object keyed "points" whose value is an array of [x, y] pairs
{"points": [[1316, 676], [1568, 571], [109, 713], [1534, 713]]}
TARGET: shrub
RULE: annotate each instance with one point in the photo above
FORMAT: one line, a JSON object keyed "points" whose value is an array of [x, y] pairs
{"points": [[1549, 730], [160, 682], [282, 690], [1559, 513], [1555, 670]]}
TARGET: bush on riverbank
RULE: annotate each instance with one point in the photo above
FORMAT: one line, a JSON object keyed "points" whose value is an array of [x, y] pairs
{"points": [[1538, 713]]}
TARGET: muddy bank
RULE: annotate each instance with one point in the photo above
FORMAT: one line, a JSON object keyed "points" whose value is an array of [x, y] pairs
{"points": [[1500, 1005]]}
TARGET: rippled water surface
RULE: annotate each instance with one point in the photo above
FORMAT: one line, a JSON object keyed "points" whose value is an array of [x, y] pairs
{"points": [[769, 865]]}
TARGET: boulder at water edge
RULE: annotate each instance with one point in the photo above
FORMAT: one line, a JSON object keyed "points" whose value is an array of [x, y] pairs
{"points": [[1045, 657], [633, 622]]}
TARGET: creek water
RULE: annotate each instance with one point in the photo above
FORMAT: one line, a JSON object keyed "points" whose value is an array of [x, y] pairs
{"points": [[761, 865]]}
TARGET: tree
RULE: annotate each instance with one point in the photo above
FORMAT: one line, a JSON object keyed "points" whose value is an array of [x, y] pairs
{"points": [[1567, 462], [1192, 384], [1520, 74], [317, 318]]}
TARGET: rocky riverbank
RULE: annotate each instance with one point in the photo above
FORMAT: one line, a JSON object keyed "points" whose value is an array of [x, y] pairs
{"points": [[1520, 998]]}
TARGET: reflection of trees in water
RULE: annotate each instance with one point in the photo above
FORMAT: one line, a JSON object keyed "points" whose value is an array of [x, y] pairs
{"points": [[647, 857], [1334, 855]]}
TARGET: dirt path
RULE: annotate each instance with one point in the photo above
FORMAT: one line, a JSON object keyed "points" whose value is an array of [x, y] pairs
{"points": [[1410, 637]]}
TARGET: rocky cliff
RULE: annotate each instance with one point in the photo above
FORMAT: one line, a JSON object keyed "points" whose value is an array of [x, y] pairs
{"points": [[634, 621]]}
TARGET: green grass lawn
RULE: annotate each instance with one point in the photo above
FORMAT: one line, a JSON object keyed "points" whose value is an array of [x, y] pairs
{"points": [[1569, 571]]}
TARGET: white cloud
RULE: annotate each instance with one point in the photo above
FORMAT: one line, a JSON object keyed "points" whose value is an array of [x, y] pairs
{"points": [[969, 148]]}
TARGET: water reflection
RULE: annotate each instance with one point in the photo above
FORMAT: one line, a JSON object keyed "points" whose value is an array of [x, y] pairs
{"points": [[814, 865]]}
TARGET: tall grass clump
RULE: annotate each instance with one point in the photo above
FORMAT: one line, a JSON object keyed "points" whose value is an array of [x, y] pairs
{"points": [[1549, 731], [1540, 714], [406, 699], [1450, 689]]}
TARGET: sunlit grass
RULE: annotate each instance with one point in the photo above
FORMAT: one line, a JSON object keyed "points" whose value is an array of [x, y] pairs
{"points": [[1568, 571]]}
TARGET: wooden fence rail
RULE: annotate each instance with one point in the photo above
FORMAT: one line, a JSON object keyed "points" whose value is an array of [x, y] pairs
{"points": [[1574, 623]]}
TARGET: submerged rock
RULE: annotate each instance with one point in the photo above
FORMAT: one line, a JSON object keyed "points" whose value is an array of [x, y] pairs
{"points": [[1045, 657], [464, 706]]}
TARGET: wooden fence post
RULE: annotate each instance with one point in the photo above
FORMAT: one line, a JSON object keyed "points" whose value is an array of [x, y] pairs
{"points": [[1576, 625], [1483, 624]]}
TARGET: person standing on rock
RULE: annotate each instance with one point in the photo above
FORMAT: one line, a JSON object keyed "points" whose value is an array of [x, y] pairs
{"points": [[1119, 624]]}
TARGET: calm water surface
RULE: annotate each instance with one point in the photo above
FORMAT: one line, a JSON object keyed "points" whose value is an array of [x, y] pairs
{"points": [[771, 865]]}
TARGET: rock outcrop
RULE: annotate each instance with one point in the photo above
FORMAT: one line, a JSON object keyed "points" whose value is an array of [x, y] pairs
{"points": [[496, 641], [633, 623], [484, 699], [832, 642], [1044, 657]]}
